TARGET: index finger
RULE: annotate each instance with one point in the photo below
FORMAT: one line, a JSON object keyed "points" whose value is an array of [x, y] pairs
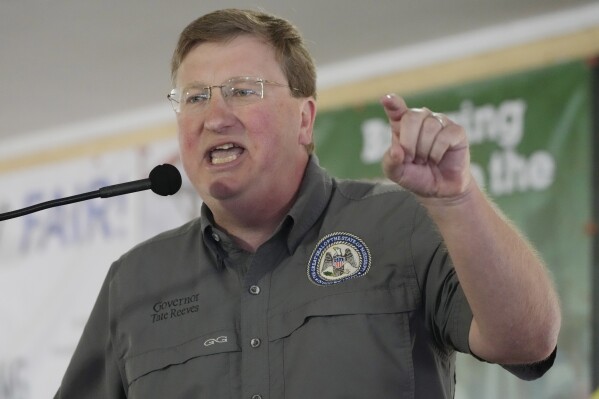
{"points": [[394, 107]]}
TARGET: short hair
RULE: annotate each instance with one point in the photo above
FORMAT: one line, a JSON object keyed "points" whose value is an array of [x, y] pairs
{"points": [[224, 25]]}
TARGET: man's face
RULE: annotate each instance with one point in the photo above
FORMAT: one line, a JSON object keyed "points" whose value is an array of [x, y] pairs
{"points": [[250, 152]]}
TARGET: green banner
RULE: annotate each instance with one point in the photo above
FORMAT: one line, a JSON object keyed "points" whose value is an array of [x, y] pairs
{"points": [[530, 136]]}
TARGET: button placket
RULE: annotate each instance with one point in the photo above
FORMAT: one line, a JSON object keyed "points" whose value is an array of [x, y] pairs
{"points": [[255, 365]]}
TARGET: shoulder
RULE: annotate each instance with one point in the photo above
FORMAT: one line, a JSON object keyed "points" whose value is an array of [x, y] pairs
{"points": [[372, 191], [379, 203], [170, 237], [161, 247], [367, 204]]}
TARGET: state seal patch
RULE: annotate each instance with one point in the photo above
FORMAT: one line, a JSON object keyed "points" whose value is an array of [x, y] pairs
{"points": [[338, 257]]}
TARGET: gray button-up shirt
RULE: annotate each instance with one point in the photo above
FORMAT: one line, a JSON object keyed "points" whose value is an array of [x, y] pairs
{"points": [[355, 296]]}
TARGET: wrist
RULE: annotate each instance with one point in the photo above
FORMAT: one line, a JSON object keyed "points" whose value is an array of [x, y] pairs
{"points": [[469, 193]]}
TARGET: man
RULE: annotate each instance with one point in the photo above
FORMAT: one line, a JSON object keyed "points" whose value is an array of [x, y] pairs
{"points": [[294, 284]]}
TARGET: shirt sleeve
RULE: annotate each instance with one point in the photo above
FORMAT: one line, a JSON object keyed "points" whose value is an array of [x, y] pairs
{"points": [[532, 371], [528, 372], [447, 315], [93, 371]]}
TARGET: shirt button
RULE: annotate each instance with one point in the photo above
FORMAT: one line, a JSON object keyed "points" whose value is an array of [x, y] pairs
{"points": [[255, 342], [257, 397], [254, 290], [215, 237]]}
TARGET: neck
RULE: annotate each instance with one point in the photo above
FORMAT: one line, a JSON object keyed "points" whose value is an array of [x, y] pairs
{"points": [[251, 222], [252, 217]]}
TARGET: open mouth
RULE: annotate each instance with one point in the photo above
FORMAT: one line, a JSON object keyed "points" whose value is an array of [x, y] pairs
{"points": [[225, 153]]}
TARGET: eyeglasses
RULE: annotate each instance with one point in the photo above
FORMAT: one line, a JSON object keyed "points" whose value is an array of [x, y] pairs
{"points": [[235, 91]]}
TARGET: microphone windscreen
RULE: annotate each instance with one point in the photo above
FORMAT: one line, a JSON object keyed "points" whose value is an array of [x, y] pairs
{"points": [[165, 179]]}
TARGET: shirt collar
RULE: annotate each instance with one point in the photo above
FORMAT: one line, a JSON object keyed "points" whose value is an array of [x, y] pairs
{"points": [[211, 238], [313, 196]]}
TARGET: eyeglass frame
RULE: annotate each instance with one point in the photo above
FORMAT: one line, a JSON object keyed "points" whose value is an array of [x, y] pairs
{"points": [[176, 103]]}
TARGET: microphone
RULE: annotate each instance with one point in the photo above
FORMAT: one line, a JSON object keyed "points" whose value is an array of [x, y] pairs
{"points": [[164, 180]]}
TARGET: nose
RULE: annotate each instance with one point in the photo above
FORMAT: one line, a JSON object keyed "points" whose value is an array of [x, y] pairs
{"points": [[217, 114]]}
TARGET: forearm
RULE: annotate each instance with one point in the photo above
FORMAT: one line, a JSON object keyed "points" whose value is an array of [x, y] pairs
{"points": [[515, 307]]}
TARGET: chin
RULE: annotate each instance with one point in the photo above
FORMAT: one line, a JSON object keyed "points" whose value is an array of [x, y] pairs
{"points": [[221, 191]]}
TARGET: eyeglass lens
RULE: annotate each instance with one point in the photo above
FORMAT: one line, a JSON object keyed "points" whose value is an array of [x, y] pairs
{"points": [[235, 92]]}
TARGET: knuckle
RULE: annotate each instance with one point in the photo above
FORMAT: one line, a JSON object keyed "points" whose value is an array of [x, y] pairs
{"points": [[412, 116], [431, 124]]}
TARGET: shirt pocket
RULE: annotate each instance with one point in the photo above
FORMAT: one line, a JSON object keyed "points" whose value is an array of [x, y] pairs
{"points": [[348, 345], [202, 367]]}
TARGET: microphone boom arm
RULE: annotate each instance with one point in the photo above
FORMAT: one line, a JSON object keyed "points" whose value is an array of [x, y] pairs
{"points": [[49, 204], [164, 180]]}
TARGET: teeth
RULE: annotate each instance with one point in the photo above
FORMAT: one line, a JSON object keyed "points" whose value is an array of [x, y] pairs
{"points": [[224, 153], [217, 161]]}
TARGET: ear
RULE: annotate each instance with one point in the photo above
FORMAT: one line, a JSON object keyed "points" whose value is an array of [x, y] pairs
{"points": [[308, 114]]}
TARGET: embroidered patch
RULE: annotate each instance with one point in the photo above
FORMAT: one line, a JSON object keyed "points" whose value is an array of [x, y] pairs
{"points": [[338, 257]]}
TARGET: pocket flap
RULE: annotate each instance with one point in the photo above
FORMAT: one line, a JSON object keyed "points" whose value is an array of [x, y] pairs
{"points": [[403, 298], [217, 342]]}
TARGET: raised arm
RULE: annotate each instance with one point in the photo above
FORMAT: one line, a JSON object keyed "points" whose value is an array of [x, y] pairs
{"points": [[515, 306]]}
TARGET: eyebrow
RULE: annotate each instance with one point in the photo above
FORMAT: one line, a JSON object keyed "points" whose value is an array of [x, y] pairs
{"points": [[199, 85], [195, 85]]}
